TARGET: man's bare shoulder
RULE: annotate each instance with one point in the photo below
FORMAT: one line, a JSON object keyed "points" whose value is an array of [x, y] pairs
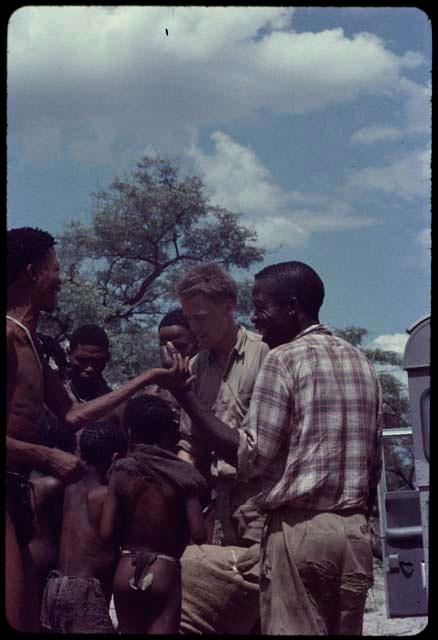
{"points": [[13, 336]]}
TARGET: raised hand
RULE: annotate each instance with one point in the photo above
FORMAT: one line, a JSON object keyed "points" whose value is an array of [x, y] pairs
{"points": [[175, 375]]}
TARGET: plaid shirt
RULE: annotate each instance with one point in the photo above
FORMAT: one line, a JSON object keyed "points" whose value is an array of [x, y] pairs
{"points": [[313, 429]]}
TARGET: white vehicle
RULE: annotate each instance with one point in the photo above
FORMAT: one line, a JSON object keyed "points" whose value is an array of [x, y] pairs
{"points": [[404, 513]]}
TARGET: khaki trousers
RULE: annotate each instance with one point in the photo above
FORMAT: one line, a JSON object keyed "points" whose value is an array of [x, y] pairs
{"points": [[220, 590], [315, 572]]}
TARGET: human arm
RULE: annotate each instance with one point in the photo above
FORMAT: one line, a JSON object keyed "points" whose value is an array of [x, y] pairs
{"points": [[376, 456], [64, 466], [80, 414], [221, 437], [267, 425], [201, 419], [195, 519]]}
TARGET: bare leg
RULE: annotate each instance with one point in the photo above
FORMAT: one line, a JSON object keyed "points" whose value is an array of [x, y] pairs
{"points": [[14, 578], [22, 605]]}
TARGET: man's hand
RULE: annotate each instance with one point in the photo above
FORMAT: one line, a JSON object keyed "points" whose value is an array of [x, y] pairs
{"points": [[65, 466], [175, 376]]}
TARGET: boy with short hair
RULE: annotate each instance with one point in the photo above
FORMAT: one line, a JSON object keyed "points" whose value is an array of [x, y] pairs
{"points": [[153, 508], [77, 595]]}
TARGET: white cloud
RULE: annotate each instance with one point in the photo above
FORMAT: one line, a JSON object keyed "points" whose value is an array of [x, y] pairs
{"points": [[239, 181], [418, 106], [407, 177], [422, 249], [376, 133], [424, 239], [391, 342], [78, 65]]}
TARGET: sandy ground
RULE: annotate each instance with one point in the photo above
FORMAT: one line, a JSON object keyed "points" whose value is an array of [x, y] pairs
{"points": [[375, 621]]}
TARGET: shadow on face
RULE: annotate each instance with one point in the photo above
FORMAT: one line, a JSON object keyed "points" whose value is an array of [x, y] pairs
{"points": [[88, 361], [182, 338]]}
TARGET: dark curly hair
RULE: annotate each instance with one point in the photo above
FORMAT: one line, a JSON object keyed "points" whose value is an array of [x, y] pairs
{"points": [[174, 317], [26, 245], [89, 334], [150, 420], [297, 279], [99, 441], [56, 434]]}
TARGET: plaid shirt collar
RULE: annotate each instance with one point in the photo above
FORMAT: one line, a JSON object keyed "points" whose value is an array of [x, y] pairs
{"points": [[314, 328]]}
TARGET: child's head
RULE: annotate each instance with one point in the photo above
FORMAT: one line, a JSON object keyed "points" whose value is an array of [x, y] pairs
{"points": [[57, 434], [101, 442], [151, 420]]}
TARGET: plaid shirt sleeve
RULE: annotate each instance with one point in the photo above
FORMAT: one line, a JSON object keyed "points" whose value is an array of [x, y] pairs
{"points": [[376, 459], [267, 424]]}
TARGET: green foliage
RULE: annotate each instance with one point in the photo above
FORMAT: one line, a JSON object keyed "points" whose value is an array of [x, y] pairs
{"points": [[120, 270]]}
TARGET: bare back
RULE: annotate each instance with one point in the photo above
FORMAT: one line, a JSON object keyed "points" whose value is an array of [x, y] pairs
{"points": [[82, 552], [152, 515]]}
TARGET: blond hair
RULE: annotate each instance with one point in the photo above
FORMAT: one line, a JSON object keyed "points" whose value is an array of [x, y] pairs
{"points": [[209, 279]]}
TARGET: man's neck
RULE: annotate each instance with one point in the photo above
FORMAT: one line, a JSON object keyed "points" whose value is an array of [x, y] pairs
{"points": [[223, 349]]}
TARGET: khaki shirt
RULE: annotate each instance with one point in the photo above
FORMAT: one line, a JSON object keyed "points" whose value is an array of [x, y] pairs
{"points": [[228, 392]]}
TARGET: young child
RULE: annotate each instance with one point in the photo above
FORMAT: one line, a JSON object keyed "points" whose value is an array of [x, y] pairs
{"points": [[77, 595], [153, 508]]}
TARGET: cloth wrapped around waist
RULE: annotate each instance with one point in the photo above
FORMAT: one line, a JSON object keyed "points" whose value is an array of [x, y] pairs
{"points": [[142, 560]]}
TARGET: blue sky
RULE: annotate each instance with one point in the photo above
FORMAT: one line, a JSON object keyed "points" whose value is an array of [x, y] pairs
{"points": [[314, 123]]}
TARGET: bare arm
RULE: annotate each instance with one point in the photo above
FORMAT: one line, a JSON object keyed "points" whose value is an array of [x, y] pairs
{"points": [[222, 438], [64, 466], [85, 412], [198, 532]]}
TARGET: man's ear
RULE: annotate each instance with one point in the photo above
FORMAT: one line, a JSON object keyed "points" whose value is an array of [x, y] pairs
{"points": [[292, 305], [31, 272]]}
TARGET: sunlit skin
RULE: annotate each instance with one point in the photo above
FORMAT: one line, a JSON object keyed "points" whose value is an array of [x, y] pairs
{"points": [[212, 323], [47, 284], [276, 322]]}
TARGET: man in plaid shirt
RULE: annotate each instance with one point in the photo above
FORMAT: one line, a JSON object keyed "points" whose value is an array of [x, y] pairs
{"points": [[313, 434]]}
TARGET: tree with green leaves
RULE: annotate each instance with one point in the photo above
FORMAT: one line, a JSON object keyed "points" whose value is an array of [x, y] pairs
{"points": [[119, 271]]}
